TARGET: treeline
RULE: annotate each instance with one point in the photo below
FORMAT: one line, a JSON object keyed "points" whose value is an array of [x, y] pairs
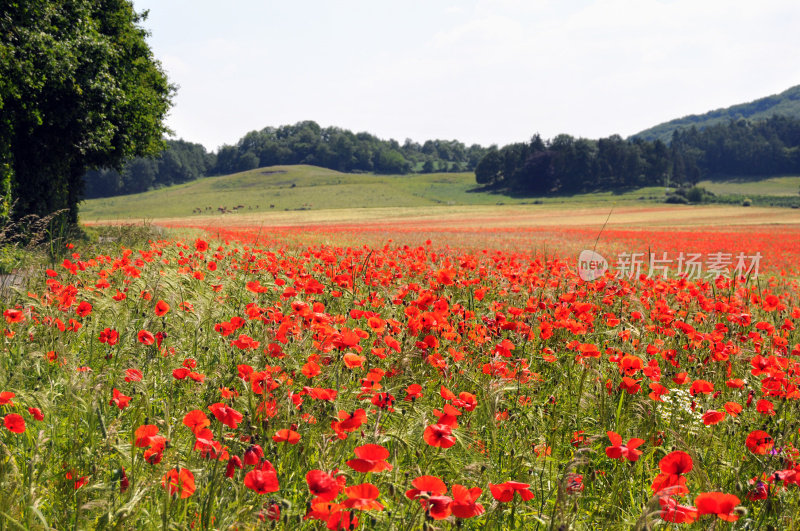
{"points": [[342, 150], [180, 162], [302, 143], [569, 165]]}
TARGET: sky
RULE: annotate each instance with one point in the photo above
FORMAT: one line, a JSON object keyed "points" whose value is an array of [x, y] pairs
{"points": [[478, 71]]}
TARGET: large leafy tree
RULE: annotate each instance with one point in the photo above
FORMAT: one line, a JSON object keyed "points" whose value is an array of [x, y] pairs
{"points": [[79, 89]]}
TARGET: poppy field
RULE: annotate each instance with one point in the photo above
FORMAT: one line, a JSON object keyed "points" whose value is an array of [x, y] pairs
{"points": [[245, 378]]}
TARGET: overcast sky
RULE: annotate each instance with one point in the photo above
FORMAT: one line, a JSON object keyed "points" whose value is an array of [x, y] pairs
{"points": [[479, 71]]}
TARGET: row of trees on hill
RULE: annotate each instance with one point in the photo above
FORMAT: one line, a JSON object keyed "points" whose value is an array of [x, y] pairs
{"points": [[180, 162], [566, 164], [339, 149], [302, 143]]}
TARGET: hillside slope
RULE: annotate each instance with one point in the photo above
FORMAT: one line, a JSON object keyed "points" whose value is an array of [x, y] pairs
{"points": [[786, 103], [302, 187], [310, 188]]}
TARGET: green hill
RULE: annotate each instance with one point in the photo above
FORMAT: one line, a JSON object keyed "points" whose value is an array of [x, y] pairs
{"points": [[300, 188], [786, 103]]}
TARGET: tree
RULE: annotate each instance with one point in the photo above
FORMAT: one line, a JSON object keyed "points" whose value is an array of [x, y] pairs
{"points": [[79, 89], [489, 169]]}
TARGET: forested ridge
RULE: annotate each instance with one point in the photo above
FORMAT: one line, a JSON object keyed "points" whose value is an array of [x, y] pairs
{"points": [[563, 164], [302, 143], [566, 164], [787, 103]]}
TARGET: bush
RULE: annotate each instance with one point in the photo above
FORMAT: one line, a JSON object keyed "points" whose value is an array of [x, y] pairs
{"points": [[747, 201], [677, 199]]}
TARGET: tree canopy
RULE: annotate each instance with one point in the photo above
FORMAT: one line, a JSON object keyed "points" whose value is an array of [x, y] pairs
{"points": [[301, 143], [79, 89], [572, 165]]}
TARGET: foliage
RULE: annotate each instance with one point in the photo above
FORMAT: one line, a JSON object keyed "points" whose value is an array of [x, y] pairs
{"points": [[79, 89], [342, 150], [786, 103], [566, 165], [690, 194], [180, 162], [303, 143]]}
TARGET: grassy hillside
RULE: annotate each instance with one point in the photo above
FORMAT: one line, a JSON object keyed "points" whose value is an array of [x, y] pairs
{"points": [[786, 103], [307, 188], [773, 186], [293, 188]]}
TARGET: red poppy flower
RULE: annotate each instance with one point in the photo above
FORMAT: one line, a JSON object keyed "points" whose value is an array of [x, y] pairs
{"points": [[14, 423], [371, 458], [759, 442], [200, 245], [234, 463], [504, 492], [253, 454], [288, 436], [262, 480], [464, 502], [144, 435], [226, 415], [677, 462], [717, 503], [317, 393], [124, 482], [133, 375], [13, 316], [712, 417], [362, 497], [438, 507], [617, 450], [681, 378], [630, 385], [760, 490], [657, 391], [426, 486], [573, 483], [671, 481], [324, 486], [349, 422], [413, 392], [733, 408], [672, 511], [439, 435], [119, 400], [109, 336], [196, 420], [245, 342], [83, 309], [765, 407], [5, 398], [146, 338], [311, 369], [179, 482], [36, 413], [352, 360], [701, 387], [161, 308]]}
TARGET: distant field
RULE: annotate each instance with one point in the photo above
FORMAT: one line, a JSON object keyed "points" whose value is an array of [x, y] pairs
{"points": [[777, 186], [285, 192], [293, 188], [543, 229]]}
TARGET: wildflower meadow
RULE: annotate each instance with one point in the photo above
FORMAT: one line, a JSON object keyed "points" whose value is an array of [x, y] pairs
{"points": [[228, 382]]}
